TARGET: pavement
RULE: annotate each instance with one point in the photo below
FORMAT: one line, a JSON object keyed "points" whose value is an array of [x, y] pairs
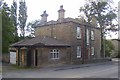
{"points": [[0, 67], [95, 70], [116, 59], [6, 67]]}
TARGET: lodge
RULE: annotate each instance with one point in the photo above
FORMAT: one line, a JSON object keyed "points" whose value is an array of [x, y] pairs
{"points": [[65, 41]]}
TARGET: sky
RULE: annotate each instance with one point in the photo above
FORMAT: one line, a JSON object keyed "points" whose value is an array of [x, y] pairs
{"points": [[36, 7]]}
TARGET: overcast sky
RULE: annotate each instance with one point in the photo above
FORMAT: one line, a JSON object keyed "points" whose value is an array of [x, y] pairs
{"points": [[36, 7]]}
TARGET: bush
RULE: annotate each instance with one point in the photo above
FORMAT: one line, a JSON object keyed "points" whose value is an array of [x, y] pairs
{"points": [[118, 55]]}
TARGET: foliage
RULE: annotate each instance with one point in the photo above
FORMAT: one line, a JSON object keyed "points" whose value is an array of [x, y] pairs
{"points": [[7, 28], [109, 47], [118, 56], [22, 17], [14, 18], [31, 27], [104, 15], [1, 2], [103, 12]]}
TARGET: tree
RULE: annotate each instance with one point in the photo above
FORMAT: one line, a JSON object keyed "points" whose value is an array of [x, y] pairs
{"points": [[14, 18], [118, 54], [7, 28], [22, 17], [109, 47], [31, 27], [1, 2], [104, 15]]}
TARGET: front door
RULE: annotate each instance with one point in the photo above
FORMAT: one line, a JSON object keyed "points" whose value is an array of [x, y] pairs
{"points": [[29, 56], [36, 57]]}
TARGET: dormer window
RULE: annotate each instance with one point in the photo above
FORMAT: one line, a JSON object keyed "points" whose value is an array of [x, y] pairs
{"points": [[78, 32]]}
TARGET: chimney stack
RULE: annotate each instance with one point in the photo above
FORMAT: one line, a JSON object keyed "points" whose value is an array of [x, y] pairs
{"points": [[61, 14], [94, 21], [44, 17]]}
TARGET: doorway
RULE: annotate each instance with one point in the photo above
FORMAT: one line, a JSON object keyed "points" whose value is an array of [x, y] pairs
{"points": [[29, 56], [36, 58]]}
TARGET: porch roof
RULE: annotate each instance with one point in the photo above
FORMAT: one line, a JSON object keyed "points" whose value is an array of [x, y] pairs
{"points": [[40, 41]]}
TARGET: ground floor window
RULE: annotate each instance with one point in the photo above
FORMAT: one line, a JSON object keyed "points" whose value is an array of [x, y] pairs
{"points": [[92, 51], [78, 52], [54, 54]]}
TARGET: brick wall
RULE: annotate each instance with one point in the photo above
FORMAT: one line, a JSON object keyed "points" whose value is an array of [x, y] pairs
{"points": [[66, 32], [45, 60], [6, 57]]}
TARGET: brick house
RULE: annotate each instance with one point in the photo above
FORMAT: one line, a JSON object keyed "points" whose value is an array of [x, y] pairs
{"points": [[65, 41]]}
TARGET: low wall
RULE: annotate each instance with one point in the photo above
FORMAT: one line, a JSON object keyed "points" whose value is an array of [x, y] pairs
{"points": [[98, 60], [6, 57], [91, 61]]}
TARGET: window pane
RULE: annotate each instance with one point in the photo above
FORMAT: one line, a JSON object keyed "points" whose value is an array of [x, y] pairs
{"points": [[92, 50], [87, 36], [92, 35], [54, 50], [78, 32], [57, 55], [78, 51], [54, 54]]}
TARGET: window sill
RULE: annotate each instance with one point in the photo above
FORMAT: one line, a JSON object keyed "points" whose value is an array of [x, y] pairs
{"points": [[78, 56], [78, 38], [54, 58]]}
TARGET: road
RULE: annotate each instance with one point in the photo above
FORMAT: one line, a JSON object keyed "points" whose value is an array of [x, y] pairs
{"points": [[100, 70]]}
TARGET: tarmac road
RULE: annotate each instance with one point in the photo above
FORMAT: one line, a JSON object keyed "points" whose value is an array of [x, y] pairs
{"points": [[99, 70]]}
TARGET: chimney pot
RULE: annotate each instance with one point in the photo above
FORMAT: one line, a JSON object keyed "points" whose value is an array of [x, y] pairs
{"points": [[61, 14], [44, 17]]}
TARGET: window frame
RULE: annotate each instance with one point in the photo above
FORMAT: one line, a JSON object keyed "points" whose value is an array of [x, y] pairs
{"points": [[92, 35], [87, 36], [78, 51], [78, 32], [92, 51], [54, 54]]}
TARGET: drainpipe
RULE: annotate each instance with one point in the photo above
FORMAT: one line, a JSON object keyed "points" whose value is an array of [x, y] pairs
{"points": [[103, 44]]}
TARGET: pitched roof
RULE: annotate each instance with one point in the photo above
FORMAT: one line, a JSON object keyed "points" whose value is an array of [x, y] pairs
{"points": [[40, 41], [63, 21]]}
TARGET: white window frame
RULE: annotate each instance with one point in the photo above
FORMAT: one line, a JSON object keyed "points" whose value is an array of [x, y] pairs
{"points": [[92, 35], [78, 51], [92, 51], [78, 33], [54, 54], [87, 37]]}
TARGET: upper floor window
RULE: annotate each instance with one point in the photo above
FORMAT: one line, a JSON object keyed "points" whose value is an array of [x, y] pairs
{"points": [[54, 54], [87, 37], [92, 35], [78, 33], [78, 51], [92, 51]]}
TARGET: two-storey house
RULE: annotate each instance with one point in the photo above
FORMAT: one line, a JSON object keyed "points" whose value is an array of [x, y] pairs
{"points": [[65, 41]]}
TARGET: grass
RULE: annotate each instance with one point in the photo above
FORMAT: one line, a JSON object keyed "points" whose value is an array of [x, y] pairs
{"points": [[13, 67], [21, 67], [0, 70]]}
